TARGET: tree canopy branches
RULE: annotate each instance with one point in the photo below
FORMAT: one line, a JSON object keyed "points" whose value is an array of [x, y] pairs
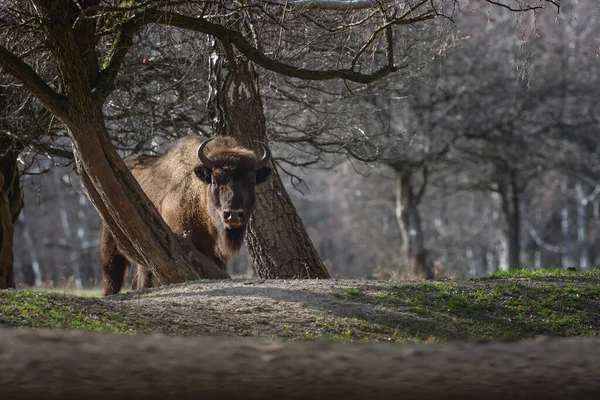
{"points": [[193, 15], [21, 70]]}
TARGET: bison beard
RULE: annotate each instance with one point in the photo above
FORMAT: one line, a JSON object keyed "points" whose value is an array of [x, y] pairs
{"points": [[202, 189]]}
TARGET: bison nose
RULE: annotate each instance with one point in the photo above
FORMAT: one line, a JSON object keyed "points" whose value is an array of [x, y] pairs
{"points": [[233, 216]]}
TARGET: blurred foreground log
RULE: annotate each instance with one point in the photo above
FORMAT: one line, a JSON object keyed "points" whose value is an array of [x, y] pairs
{"points": [[82, 365]]}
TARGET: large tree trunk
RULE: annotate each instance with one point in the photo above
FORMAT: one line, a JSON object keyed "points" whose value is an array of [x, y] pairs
{"points": [[514, 235], [32, 250], [50, 365], [132, 218], [10, 206], [509, 194], [409, 221], [276, 239], [69, 234], [565, 225]]}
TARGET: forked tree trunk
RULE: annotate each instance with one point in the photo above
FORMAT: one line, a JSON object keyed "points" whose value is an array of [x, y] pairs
{"points": [[10, 206], [276, 239], [132, 218]]}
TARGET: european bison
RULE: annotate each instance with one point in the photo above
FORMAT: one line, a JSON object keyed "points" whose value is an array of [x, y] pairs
{"points": [[204, 189]]}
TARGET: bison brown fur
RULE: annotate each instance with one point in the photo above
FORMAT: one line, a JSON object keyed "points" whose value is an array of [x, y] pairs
{"points": [[205, 190]]}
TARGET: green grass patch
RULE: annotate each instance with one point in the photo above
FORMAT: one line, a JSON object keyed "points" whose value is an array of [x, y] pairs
{"points": [[504, 310], [339, 330], [36, 309], [316, 337], [348, 293], [548, 302], [72, 292], [541, 273]]}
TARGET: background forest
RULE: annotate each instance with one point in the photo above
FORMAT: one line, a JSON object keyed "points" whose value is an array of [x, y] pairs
{"points": [[480, 154]]}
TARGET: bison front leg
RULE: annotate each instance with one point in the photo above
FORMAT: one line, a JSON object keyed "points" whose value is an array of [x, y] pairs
{"points": [[114, 263]]}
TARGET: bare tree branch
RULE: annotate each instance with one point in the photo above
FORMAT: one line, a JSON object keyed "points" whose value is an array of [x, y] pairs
{"points": [[224, 34], [45, 94], [115, 57], [335, 5], [524, 8]]}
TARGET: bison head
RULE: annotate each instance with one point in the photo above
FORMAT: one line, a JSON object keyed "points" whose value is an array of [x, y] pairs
{"points": [[232, 173]]}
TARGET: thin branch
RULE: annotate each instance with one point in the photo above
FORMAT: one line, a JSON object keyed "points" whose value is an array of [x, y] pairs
{"points": [[547, 246], [423, 186], [56, 152], [590, 197], [258, 57], [521, 9], [427, 15], [15, 66], [334, 5]]}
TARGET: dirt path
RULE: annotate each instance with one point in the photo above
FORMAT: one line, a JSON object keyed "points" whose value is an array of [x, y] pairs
{"points": [[333, 310], [284, 308], [353, 310]]}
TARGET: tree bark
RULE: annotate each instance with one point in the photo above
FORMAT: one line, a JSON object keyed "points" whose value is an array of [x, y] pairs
{"points": [[514, 235], [409, 221], [43, 364], [565, 225], [509, 194], [11, 202], [276, 238]]}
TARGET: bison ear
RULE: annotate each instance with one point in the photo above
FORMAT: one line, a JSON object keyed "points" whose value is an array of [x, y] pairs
{"points": [[204, 174], [262, 175]]}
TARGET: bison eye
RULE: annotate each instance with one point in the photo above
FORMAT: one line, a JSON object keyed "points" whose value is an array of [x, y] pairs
{"points": [[204, 173], [218, 181]]}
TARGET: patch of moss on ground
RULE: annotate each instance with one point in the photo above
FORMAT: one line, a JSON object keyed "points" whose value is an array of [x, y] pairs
{"points": [[338, 330], [37, 309], [499, 307], [74, 292], [348, 293], [346, 329], [503, 311], [540, 273]]}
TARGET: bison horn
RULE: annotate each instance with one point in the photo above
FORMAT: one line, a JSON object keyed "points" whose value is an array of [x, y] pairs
{"points": [[266, 156], [208, 163]]}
